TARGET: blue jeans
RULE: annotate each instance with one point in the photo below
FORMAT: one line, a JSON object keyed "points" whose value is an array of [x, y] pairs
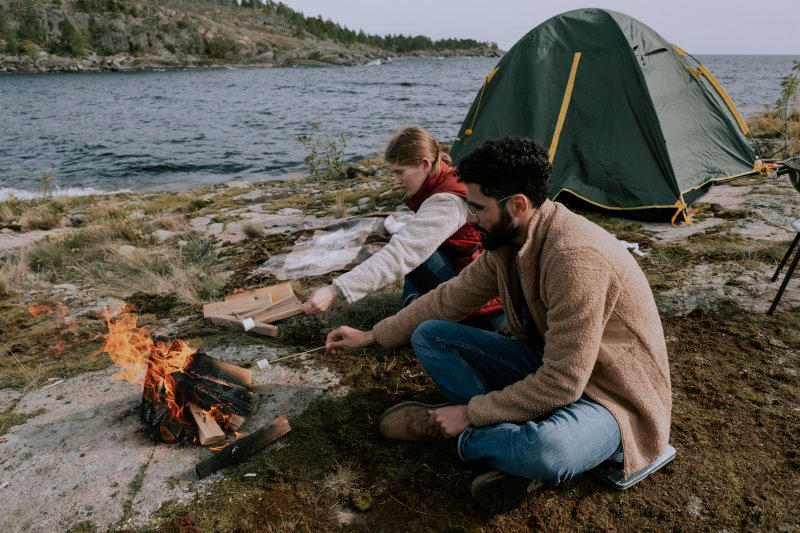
{"points": [[465, 362], [430, 274], [434, 271]]}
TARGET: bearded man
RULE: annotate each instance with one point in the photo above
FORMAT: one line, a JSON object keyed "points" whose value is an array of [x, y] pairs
{"points": [[584, 378]]}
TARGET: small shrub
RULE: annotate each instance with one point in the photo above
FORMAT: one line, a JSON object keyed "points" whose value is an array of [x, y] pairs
{"points": [[325, 159], [253, 231], [15, 270], [50, 259], [7, 213], [42, 217]]}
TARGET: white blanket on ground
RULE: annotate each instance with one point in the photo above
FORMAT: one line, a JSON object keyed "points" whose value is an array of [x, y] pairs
{"points": [[340, 245]]}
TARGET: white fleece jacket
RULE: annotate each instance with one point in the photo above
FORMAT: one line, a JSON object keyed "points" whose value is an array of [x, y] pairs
{"points": [[438, 218]]}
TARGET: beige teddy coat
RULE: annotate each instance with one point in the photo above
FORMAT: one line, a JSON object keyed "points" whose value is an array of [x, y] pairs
{"points": [[603, 336]]}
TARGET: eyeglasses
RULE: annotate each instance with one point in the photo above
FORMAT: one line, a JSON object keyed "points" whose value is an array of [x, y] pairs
{"points": [[474, 214]]}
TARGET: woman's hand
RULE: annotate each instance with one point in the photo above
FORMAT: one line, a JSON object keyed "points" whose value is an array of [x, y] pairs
{"points": [[451, 420], [347, 337], [321, 300]]}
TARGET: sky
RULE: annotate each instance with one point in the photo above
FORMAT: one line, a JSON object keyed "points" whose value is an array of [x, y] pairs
{"points": [[698, 26]]}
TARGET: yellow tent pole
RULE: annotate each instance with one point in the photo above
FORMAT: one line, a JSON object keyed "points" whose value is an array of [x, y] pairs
{"points": [[704, 71], [564, 106]]}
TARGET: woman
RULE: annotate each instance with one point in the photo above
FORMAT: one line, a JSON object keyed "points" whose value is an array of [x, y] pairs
{"points": [[430, 248]]}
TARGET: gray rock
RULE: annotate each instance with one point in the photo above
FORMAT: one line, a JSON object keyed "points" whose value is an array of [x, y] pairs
{"points": [[286, 211], [162, 235]]}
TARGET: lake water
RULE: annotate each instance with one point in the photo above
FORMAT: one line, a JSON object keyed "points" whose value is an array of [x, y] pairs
{"points": [[179, 129]]}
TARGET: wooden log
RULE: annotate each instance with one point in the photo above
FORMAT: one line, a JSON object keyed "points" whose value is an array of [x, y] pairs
{"points": [[170, 429], [204, 365], [276, 292], [264, 329], [290, 308], [234, 422], [249, 300], [231, 322], [239, 450], [208, 431], [208, 393]]}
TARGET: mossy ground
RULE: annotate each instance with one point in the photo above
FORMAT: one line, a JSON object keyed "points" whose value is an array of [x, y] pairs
{"points": [[735, 418]]}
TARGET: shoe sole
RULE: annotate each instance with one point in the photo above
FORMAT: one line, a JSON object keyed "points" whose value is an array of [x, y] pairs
{"points": [[502, 493], [403, 405]]}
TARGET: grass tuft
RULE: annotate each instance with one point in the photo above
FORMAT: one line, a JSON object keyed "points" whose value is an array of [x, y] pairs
{"points": [[42, 217], [339, 204], [253, 231], [341, 483]]}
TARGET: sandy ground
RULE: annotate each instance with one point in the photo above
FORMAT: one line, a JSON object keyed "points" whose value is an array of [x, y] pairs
{"points": [[77, 460]]}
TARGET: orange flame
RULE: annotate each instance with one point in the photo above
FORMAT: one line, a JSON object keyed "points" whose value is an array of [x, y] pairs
{"points": [[143, 361]]}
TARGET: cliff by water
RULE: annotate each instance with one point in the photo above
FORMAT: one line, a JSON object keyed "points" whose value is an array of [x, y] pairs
{"points": [[84, 35]]}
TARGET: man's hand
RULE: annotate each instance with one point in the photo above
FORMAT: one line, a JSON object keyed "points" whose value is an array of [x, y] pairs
{"points": [[451, 420], [347, 337], [321, 300]]}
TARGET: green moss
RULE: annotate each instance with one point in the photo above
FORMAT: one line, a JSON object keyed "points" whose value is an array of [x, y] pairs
{"points": [[8, 418]]}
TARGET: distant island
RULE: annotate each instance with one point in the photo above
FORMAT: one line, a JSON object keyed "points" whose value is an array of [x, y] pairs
{"points": [[98, 35]]}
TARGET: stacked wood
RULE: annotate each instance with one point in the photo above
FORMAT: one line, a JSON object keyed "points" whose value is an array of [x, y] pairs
{"points": [[206, 385], [255, 310]]}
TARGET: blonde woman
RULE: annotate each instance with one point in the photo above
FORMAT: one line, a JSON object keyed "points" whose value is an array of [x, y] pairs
{"points": [[432, 247]]}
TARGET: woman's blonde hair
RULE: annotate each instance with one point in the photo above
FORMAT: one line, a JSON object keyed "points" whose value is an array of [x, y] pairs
{"points": [[412, 144]]}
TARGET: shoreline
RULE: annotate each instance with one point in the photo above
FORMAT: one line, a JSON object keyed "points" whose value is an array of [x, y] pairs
{"points": [[45, 63]]}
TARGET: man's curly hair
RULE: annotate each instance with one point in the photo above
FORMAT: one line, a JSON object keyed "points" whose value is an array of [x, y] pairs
{"points": [[506, 166]]}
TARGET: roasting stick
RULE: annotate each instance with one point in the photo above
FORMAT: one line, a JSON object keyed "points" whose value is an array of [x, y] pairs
{"points": [[265, 363]]}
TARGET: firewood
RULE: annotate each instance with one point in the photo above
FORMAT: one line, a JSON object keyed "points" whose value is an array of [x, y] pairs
{"points": [[234, 422], [279, 312], [170, 429], [231, 322], [208, 393], [265, 329], [276, 292], [239, 450], [205, 365], [208, 431], [249, 300]]}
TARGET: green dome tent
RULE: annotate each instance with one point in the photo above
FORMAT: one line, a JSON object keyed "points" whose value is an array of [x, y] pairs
{"points": [[634, 125]]}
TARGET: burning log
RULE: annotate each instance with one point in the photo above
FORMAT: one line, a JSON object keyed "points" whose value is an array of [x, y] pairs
{"points": [[208, 431], [238, 451]]}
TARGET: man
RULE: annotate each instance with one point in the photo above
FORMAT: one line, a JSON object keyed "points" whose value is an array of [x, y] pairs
{"points": [[585, 376]]}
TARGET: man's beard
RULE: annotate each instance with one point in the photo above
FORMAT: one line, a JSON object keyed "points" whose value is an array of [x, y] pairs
{"points": [[499, 234]]}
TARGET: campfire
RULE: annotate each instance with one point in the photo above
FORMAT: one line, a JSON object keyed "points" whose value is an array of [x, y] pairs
{"points": [[187, 396]]}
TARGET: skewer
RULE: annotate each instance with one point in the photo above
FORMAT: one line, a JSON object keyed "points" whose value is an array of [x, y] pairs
{"points": [[267, 362]]}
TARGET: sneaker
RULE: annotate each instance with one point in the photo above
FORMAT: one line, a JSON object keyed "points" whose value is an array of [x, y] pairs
{"points": [[409, 421], [496, 492]]}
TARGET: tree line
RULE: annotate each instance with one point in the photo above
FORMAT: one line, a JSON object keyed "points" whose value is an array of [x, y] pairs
{"points": [[29, 27]]}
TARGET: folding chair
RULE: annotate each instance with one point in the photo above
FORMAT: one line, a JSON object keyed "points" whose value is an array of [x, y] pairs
{"points": [[791, 167], [788, 276]]}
